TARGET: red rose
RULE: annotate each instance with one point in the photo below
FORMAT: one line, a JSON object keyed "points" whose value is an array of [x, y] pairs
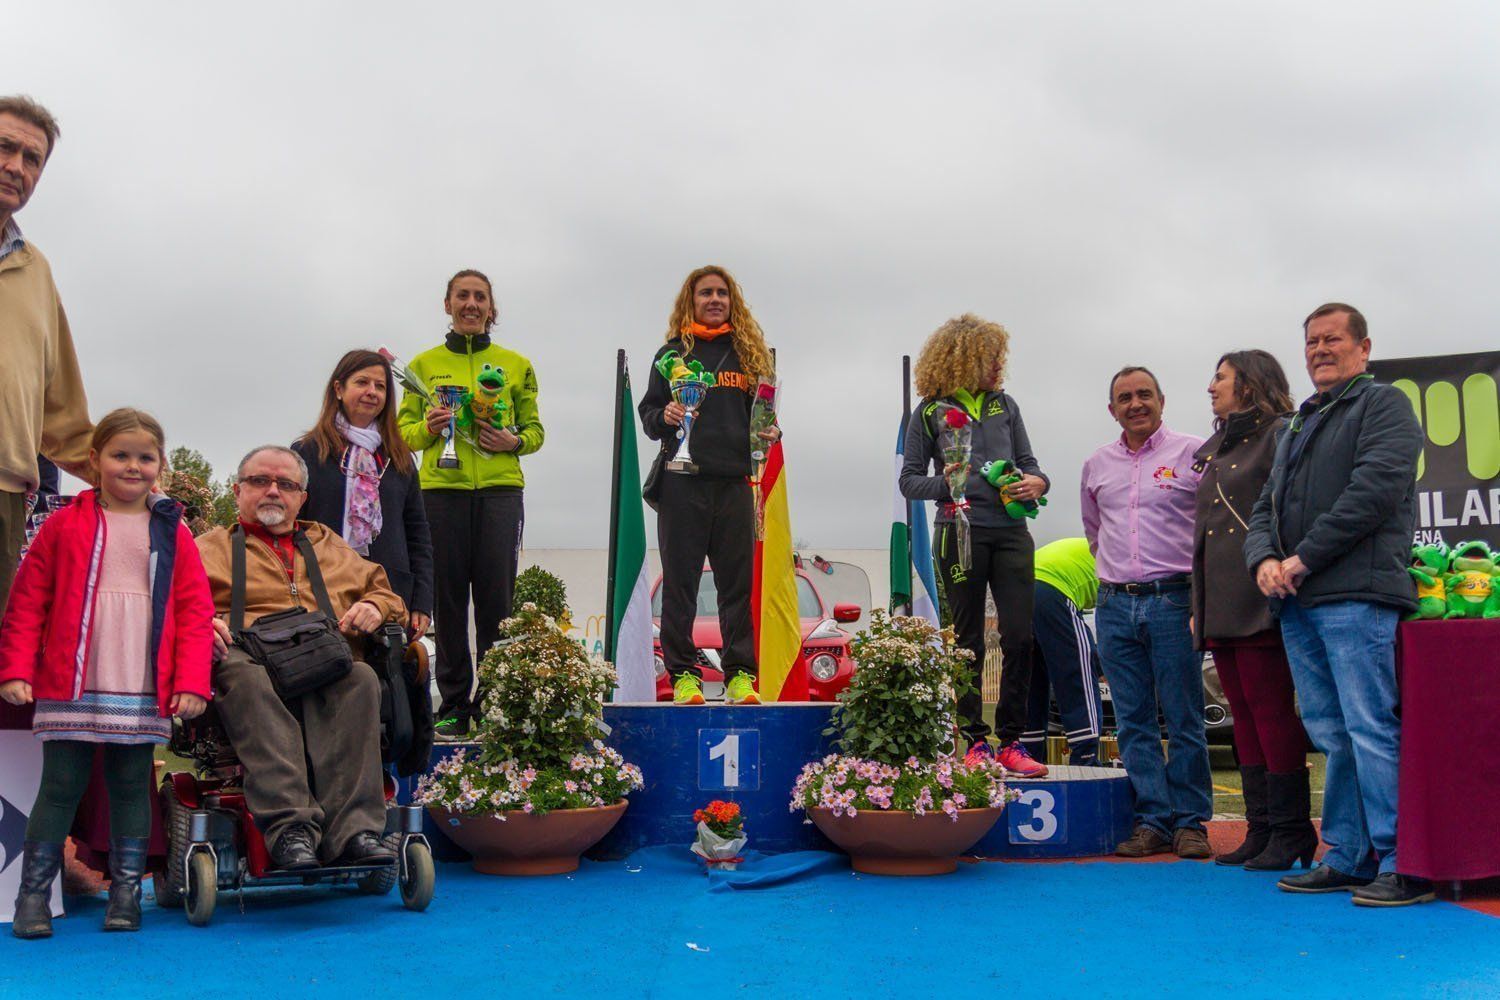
{"points": [[956, 418]]}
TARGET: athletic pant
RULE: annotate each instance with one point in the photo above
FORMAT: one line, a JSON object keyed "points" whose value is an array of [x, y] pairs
{"points": [[1063, 655], [476, 546], [66, 768], [1258, 683], [700, 517], [1002, 566]]}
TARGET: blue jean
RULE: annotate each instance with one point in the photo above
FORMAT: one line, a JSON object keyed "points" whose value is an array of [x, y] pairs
{"points": [[1343, 658], [1148, 658]]}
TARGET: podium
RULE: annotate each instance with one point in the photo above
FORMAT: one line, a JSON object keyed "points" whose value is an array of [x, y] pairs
{"points": [[752, 754]]}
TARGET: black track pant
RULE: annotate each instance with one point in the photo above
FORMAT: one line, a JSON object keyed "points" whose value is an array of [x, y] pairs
{"points": [[699, 517], [1003, 566], [1064, 655], [476, 544]]}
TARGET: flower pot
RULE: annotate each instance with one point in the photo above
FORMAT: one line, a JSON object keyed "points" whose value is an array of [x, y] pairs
{"points": [[519, 843], [903, 843]]}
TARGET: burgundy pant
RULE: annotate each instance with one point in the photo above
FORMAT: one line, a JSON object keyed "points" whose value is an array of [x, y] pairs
{"points": [[1258, 683]]}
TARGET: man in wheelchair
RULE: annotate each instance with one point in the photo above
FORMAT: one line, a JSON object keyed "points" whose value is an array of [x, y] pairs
{"points": [[303, 719]]}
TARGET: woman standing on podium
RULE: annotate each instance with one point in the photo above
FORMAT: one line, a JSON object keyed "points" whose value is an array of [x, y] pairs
{"points": [[705, 508], [960, 373]]}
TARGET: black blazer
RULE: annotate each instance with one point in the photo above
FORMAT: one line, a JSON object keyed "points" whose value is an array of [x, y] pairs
{"points": [[404, 546]]}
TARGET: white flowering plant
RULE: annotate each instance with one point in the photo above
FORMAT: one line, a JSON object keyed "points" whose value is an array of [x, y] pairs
{"points": [[894, 728], [539, 749]]}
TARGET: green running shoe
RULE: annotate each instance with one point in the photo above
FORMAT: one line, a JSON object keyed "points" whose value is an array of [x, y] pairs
{"points": [[451, 730], [687, 691], [741, 691]]}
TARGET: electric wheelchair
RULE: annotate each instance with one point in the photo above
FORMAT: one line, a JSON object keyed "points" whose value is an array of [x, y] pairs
{"points": [[213, 842]]}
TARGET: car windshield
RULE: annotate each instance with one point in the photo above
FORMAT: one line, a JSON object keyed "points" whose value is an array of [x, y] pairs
{"points": [[708, 599]]}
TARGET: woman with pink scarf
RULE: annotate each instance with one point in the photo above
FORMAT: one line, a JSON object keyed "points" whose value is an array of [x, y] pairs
{"points": [[362, 479]]}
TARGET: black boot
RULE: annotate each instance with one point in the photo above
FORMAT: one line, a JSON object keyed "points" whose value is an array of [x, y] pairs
{"points": [[1258, 835], [127, 863], [1292, 835], [39, 867]]}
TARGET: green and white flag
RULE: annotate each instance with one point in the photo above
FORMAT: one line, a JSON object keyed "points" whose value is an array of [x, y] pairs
{"points": [[629, 635]]}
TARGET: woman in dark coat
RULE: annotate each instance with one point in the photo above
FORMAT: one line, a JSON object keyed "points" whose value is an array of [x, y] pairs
{"points": [[1231, 618], [362, 479]]}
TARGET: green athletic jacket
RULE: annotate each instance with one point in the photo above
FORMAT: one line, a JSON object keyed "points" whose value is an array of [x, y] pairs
{"points": [[455, 362]]}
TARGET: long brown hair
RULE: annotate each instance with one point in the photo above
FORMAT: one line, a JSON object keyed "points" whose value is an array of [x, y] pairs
{"points": [[1259, 383], [325, 433], [122, 421], [749, 342]]}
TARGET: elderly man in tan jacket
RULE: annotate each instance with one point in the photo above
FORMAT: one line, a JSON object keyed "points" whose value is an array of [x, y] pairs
{"points": [[316, 790], [42, 406]]}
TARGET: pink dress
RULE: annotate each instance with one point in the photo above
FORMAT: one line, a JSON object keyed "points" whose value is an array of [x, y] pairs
{"points": [[119, 696]]}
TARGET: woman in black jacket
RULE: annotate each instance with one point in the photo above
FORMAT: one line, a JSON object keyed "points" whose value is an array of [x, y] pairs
{"points": [[711, 512], [362, 479], [1231, 618]]}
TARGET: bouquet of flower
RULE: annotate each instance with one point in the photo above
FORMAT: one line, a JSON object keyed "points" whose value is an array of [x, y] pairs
{"points": [[957, 450], [721, 834], [412, 382], [762, 418], [894, 727], [539, 746]]}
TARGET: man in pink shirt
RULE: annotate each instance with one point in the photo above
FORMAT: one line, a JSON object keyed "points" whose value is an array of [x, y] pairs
{"points": [[1138, 507]]}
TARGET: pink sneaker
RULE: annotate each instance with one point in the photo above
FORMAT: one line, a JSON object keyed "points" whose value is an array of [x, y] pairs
{"points": [[1018, 762], [980, 753]]}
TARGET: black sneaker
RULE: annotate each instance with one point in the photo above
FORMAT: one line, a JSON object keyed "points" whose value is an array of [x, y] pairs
{"points": [[1390, 889], [451, 729], [1321, 879]]}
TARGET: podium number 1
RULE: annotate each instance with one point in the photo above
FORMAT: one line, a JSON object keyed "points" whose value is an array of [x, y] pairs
{"points": [[729, 749]]}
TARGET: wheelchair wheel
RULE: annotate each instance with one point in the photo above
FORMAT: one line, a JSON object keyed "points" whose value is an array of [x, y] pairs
{"points": [[202, 891], [380, 882], [420, 878], [167, 881]]}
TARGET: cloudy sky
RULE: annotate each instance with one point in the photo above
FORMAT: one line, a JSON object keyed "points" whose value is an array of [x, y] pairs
{"points": [[241, 194]]}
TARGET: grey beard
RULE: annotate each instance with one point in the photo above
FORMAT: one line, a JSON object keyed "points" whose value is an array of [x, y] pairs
{"points": [[271, 517]]}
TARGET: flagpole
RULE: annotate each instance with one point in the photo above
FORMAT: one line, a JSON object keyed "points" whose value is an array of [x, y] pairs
{"points": [[610, 625], [906, 419]]}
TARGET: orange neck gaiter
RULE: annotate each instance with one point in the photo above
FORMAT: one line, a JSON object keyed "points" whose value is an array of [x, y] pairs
{"points": [[700, 332]]}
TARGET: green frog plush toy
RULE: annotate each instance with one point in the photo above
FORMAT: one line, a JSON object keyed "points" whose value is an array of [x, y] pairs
{"points": [[1002, 475], [1429, 568], [484, 404], [1472, 590]]}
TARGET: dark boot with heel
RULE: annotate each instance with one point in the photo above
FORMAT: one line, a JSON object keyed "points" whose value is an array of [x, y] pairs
{"points": [[1257, 818], [127, 863], [1293, 838], [39, 866]]}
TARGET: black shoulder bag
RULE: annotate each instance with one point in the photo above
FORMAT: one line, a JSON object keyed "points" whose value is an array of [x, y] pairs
{"points": [[301, 650]]}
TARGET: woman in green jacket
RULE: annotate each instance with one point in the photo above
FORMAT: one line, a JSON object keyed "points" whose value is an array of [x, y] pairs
{"points": [[473, 495]]}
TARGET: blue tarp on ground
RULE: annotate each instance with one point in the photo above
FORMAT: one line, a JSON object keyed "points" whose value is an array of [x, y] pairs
{"points": [[625, 928]]}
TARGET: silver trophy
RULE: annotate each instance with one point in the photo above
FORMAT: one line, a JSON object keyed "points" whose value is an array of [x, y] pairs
{"points": [[450, 397], [689, 393]]}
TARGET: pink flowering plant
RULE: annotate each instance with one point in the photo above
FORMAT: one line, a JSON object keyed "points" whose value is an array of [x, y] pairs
{"points": [[538, 739], [894, 726]]}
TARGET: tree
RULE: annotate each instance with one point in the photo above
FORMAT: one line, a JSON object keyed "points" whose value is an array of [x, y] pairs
{"points": [[191, 481]]}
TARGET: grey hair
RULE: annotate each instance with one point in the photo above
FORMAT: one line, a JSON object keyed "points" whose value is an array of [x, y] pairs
{"points": [[239, 472]]}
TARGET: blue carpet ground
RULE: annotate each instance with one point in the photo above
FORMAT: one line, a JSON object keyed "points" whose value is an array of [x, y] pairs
{"points": [[623, 929]]}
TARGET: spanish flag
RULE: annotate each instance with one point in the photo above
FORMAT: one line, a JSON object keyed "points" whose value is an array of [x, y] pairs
{"points": [[773, 595]]}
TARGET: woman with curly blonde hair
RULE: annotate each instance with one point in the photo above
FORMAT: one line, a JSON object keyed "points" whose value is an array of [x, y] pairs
{"points": [[709, 513], [959, 376]]}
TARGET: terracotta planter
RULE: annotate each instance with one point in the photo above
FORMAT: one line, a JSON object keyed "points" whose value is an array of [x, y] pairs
{"points": [[526, 844], [901, 843]]}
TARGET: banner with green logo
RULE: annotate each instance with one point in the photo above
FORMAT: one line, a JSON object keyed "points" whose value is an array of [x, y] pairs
{"points": [[1457, 400]]}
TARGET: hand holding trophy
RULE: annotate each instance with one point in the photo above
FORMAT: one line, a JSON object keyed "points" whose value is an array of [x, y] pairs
{"points": [[689, 384]]}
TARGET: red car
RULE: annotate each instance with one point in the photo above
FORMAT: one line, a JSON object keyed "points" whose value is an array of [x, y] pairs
{"points": [[825, 646]]}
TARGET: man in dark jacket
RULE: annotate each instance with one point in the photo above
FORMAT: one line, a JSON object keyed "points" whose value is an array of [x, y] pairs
{"points": [[1329, 542]]}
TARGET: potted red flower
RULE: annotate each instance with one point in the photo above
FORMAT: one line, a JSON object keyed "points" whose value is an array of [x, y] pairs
{"points": [[721, 834]]}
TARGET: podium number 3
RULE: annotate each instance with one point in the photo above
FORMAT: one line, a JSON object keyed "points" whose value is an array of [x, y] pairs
{"points": [[729, 749], [1043, 822]]}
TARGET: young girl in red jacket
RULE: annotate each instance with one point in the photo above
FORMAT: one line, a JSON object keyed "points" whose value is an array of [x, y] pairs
{"points": [[109, 631]]}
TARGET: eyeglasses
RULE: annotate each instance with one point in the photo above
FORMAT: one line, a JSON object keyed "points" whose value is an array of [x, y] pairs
{"points": [[350, 472], [264, 483]]}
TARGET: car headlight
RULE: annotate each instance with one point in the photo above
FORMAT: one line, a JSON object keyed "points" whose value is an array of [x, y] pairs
{"points": [[824, 667], [661, 665]]}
